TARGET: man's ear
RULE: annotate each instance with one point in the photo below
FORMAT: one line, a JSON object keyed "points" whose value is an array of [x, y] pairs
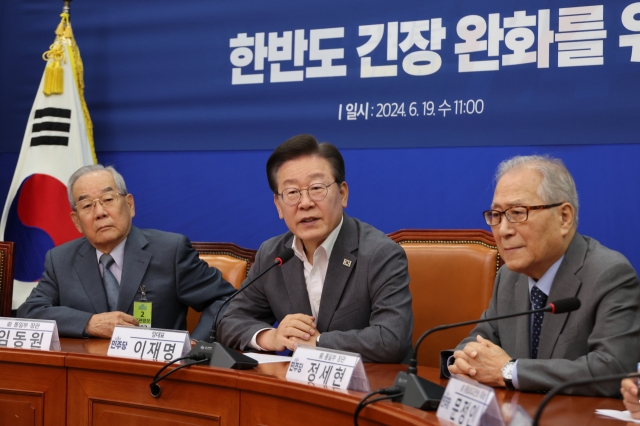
{"points": [[567, 217], [275, 202], [76, 221], [344, 194], [132, 205]]}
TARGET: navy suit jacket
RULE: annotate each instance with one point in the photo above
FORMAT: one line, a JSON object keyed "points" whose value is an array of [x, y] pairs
{"points": [[71, 288]]}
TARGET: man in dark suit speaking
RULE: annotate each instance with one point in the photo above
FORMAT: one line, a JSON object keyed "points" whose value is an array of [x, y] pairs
{"points": [[347, 287], [90, 284], [534, 216]]}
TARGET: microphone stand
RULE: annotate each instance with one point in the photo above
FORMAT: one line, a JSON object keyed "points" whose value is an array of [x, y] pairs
{"points": [[216, 354], [425, 395], [223, 356]]}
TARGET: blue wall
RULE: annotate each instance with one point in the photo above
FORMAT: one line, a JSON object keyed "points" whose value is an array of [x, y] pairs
{"points": [[224, 196]]}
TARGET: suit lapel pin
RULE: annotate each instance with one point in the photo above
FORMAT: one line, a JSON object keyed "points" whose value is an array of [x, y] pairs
{"points": [[347, 263]]}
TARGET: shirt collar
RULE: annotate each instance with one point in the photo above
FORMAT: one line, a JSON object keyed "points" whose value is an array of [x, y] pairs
{"points": [[327, 245], [545, 281], [117, 253]]}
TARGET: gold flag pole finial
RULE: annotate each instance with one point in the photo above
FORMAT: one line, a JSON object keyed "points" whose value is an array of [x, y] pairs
{"points": [[53, 73], [65, 12], [54, 76]]}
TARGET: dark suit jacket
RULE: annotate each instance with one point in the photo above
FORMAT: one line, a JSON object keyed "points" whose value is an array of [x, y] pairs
{"points": [[599, 339], [364, 307], [71, 289]]}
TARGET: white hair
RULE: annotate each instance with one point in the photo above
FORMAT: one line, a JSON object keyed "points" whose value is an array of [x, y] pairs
{"points": [[557, 184], [117, 177]]}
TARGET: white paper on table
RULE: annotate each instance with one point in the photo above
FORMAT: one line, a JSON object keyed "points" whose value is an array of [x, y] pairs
{"points": [[620, 415], [267, 359]]}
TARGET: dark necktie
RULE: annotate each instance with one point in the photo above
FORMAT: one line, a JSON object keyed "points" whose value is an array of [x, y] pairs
{"points": [[111, 286], [538, 300]]}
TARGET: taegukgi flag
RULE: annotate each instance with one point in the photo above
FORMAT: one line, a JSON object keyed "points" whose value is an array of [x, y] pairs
{"points": [[58, 140]]}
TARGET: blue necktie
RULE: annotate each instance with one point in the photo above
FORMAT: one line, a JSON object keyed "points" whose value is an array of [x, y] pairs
{"points": [[538, 300], [111, 285]]}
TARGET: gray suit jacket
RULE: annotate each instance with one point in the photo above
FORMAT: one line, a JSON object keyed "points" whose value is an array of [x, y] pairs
{"points": [[600, 338], [71, 288], [364, 307]]}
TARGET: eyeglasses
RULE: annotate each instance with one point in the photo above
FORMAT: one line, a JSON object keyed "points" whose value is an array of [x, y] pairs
{"points": [[316, 191], [106, 200], [515, 214]]}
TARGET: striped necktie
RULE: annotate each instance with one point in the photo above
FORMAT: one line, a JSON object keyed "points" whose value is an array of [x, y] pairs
{"points": [[111, 285]]}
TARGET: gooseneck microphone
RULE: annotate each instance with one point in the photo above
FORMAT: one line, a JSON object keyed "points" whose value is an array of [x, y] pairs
{"points": [[223, 356], [553, 392], [426, 395], [216, 354]]}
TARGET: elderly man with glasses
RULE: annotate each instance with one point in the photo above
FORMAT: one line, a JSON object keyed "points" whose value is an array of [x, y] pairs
{"points": [[347, 287], [90, 284], [534, 216]]}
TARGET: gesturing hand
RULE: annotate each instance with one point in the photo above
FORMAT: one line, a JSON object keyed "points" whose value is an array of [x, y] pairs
{"points": [[293, 329], [629, 391]]}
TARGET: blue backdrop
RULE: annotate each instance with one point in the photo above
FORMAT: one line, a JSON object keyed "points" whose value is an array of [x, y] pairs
{"points": [[193, 146]]}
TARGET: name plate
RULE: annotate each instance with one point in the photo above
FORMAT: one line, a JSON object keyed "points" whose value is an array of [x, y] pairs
{"points": [[469, 403], [22, 333], [328, 368], [154, 344]]}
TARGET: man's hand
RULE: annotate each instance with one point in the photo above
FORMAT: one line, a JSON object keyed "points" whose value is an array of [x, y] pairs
{"points": [[311, 342], [629, 391], [101, 325], [292, 330], [482, 361]]}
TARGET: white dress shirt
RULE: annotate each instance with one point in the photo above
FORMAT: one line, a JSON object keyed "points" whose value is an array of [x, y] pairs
{"points": [[314, 274]]}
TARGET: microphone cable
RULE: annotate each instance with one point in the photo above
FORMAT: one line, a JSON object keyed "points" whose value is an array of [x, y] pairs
{"points": [[389, 393], [553, 392], [155, 389]]}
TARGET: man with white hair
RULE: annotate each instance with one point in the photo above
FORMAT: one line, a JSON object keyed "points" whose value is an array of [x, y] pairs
{"points": [[534, 216], [90, 284]]}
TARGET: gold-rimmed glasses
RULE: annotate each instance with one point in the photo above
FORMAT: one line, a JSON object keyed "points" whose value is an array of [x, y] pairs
{"points": [[106, 200], [316, 192]]}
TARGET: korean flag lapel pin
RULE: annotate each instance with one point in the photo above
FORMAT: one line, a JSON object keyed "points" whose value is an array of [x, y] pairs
{"points": [[347, 263]]}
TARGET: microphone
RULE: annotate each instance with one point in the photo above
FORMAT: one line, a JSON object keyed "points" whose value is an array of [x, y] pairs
{"points": [[216, 354], [553, 392], [425, 395], [221, 355], [562, 306]]}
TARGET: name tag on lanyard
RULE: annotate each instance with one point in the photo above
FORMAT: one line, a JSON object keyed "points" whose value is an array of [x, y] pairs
{"points": [[143, 309]]}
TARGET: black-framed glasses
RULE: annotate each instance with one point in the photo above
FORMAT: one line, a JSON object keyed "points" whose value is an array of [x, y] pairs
{"points": [[106, 200], [515, 214], [316, 191]]}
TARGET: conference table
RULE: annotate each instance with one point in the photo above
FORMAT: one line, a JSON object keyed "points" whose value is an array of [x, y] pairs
{"points": [[81, 385]]}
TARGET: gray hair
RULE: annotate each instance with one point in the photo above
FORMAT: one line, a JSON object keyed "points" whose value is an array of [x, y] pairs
{"points": [[117, 177], [557, 184]]}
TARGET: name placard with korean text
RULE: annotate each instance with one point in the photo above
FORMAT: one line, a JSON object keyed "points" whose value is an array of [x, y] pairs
{"points": [[153, 344], [328, 368], [21, 333], [469, 403]]}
